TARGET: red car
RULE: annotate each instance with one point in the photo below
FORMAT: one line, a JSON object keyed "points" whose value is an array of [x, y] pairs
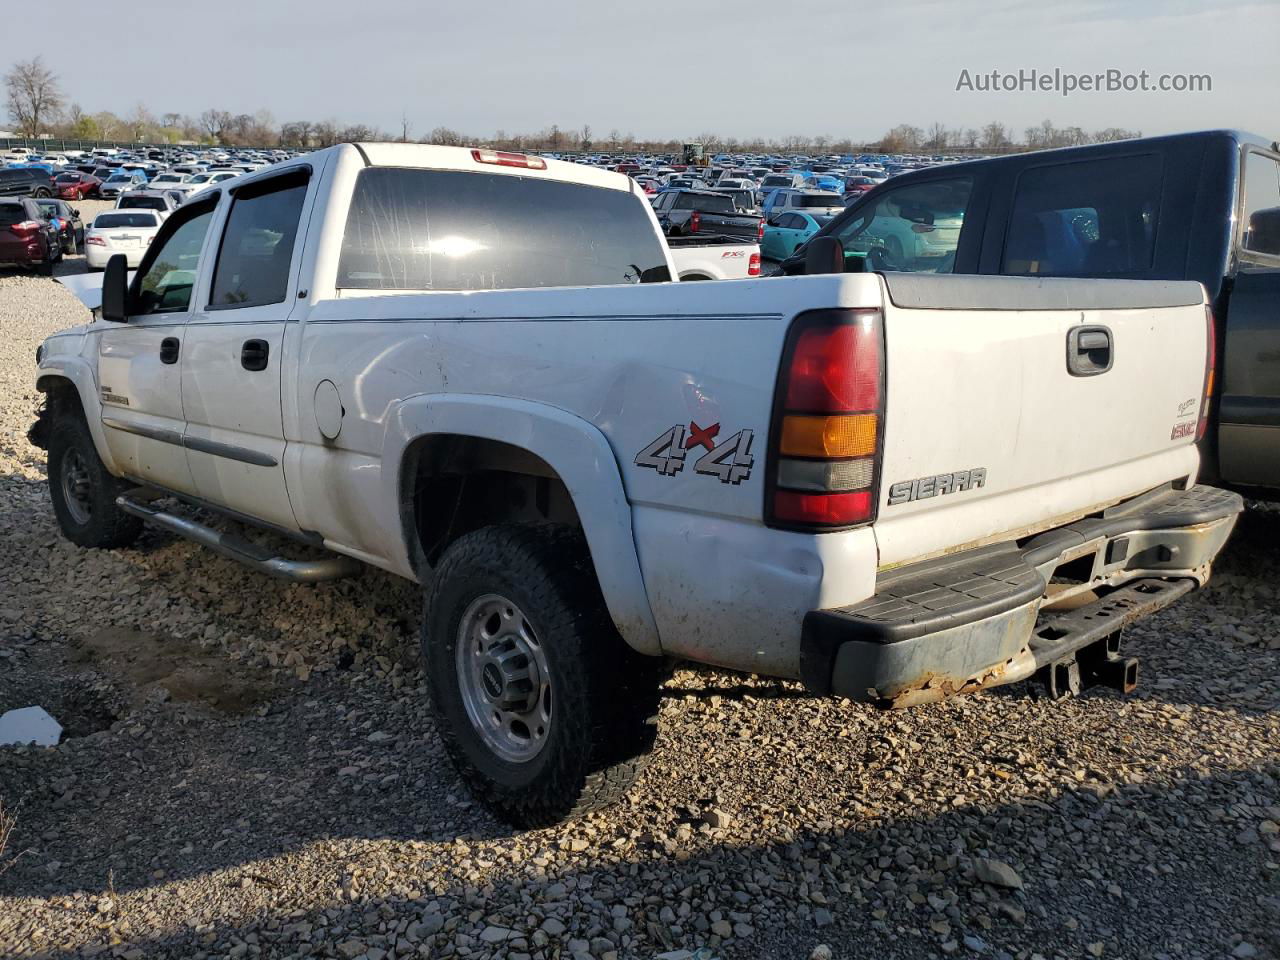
{"points": [[76, 186], [27, 239]]}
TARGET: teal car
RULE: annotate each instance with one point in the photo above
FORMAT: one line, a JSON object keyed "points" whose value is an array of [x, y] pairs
{"points": [[787, 231]]}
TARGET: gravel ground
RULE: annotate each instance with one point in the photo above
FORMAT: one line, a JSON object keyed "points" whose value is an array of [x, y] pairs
{"points": [[249, 771]]}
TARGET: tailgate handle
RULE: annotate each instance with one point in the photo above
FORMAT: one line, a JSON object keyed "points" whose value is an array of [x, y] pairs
{"points": [[1089, 351]]}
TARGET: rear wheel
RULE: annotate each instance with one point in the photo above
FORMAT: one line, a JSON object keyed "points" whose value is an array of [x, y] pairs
{"points": [[42, 193], [544, 710], [83, 492]]}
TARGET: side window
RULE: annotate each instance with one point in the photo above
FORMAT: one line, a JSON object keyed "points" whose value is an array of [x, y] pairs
{"points": [[1261, 220], [684, 201], [1090, 218], [165, 282], [915, 228], [257, 244]]}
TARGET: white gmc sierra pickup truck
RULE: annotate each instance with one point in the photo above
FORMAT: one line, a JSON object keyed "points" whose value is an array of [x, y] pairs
{"points": [[464, 367]]}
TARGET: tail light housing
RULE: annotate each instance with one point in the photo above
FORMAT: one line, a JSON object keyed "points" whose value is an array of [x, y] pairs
{"points": [[95, 241], [827, 431], [1210, 372], [695, 222], [27, 229], [760, 230], [753, 265]]}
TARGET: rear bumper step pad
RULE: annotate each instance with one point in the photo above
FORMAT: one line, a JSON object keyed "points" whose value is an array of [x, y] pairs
{"points": [[971, 620]]}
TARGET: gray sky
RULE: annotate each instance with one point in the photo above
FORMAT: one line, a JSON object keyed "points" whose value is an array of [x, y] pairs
{"points": [[659, 69]]}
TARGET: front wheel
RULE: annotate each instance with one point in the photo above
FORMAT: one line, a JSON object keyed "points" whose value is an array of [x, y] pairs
{"points": [[544, 710], [83, 492]]}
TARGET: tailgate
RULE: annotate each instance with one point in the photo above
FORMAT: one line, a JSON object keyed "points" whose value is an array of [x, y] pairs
{"points": [[729, 226], [1013, 405]]}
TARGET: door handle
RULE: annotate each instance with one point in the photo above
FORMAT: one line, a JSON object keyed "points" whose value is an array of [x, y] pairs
{"points": [[1089, 351], [169, 347], [254, 355]]}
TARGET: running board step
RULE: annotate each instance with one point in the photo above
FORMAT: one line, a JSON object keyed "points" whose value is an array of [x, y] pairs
{"points": [[236, 548]]}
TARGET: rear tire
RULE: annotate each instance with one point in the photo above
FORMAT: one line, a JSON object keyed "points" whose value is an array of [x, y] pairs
{"points": [[83, 492], [545, 711]]}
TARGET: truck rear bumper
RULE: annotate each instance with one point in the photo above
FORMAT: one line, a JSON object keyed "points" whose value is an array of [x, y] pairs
{"points": [[998, 614]]}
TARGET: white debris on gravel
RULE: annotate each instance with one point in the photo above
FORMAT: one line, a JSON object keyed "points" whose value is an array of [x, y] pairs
{"points": [[226, 786]]}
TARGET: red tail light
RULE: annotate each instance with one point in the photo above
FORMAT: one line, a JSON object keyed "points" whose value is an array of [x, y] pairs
{"points": [[824, 468], [27, 229], [753, 265], [695, 222], [1210, 372], [95, 241], [760, 230]]}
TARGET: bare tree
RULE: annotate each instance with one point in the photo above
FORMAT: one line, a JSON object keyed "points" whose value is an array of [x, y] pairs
{"points": [[444, 137], [585, 143], [34, 96], [994, 136], [139, 120], [215, 122], [326, 133], [404, 128]]}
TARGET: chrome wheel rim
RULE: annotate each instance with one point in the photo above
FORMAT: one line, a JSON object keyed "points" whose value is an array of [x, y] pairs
{"points": [[504, 678], [76, 487]]}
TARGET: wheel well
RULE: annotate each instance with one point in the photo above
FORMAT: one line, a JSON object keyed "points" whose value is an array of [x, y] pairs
{"points": [[60, 399], [694, 276], [451, 485]]}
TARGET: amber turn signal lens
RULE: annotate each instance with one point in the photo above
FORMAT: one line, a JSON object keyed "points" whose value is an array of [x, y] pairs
{"points": [[837, 436]]}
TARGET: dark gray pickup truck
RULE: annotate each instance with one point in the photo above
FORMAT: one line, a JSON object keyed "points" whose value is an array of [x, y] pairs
{"points": [[682, 213], [1195, 206]]}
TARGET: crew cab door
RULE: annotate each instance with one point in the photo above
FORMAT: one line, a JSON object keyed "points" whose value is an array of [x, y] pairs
{"points": [[233, 354], [139, 362]]}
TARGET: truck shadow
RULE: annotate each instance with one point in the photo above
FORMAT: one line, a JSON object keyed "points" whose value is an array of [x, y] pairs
{"points": [[1118, 863]]}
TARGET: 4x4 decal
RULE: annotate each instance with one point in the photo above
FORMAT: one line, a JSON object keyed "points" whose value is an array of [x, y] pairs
{"points": [[730, 461]]}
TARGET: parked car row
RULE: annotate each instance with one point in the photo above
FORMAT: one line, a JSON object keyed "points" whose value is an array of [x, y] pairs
{"points": [[147, 187]]}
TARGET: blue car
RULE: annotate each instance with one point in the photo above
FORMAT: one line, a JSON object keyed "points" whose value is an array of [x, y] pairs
{"points": [[787, 231]]}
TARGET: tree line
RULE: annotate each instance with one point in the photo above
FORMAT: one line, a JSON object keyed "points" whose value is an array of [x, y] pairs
{"points": [[39, 107]]}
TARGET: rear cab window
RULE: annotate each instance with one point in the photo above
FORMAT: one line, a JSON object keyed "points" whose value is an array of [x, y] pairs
{"points": [[914, 228], [1090, 218], [425, 230]]}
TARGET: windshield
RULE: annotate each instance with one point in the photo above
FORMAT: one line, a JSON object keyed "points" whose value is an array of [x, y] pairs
{"points": [[776, 181], [107, 220], [68, 178]]}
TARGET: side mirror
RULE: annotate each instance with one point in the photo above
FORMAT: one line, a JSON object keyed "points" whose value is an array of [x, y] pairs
{"points": [[115, 289], [823, 255]]}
